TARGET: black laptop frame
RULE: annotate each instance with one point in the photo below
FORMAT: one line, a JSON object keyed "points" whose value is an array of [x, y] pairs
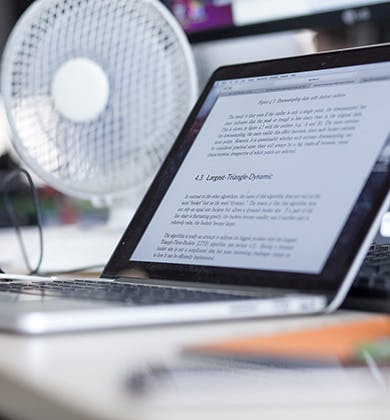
{"points": [[354, 232]]}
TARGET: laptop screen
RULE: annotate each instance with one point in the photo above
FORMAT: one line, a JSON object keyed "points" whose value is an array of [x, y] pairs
{"points": [[264, 185], [275, 179]]}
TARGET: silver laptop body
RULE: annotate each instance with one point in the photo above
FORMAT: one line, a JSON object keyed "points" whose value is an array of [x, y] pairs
{"points": [[266, 204]]}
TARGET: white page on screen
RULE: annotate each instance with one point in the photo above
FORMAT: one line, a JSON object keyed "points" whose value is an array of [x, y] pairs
{"points": [[271, 179]]}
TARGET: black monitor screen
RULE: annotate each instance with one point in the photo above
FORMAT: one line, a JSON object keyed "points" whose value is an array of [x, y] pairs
{"points": [[204, 20]]}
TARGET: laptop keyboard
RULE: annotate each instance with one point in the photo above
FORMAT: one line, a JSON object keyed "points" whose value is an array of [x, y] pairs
{"points": [[371, 289], [373, 281], [374, 275], [117, 292]]}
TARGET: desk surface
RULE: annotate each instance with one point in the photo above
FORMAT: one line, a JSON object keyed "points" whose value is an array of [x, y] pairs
{"points": [[83, 376]]}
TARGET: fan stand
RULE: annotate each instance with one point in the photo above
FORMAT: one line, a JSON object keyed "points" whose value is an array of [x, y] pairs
{"points": [[122, 210], [120, 214]]}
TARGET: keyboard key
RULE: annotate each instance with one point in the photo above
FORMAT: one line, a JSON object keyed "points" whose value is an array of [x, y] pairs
{"points": [[116, 292]]}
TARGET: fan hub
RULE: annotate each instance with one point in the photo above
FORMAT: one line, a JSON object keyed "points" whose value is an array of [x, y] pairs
{"points": [[80, 90]]}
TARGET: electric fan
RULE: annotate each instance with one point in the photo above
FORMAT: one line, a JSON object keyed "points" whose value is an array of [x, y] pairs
{"points": [[95, 92]]}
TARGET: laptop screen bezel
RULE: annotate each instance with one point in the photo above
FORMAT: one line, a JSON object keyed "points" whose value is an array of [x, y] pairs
{"points": [[348, 242]]}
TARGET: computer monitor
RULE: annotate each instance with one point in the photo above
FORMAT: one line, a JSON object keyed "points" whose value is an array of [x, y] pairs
{"points": [[231, 31], [205, 20]]}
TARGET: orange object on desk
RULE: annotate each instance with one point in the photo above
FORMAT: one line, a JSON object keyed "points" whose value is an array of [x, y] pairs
{"points": [[324, 343]]}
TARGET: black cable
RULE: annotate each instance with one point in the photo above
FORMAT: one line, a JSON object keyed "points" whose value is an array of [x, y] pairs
{"points": [[11, 214], [5, 187]]}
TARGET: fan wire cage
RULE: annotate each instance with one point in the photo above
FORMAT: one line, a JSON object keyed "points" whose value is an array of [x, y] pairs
{"points": [[152, 85]]}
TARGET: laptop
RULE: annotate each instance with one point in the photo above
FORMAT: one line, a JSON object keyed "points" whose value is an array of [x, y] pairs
{"points": [[265, 205]]}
